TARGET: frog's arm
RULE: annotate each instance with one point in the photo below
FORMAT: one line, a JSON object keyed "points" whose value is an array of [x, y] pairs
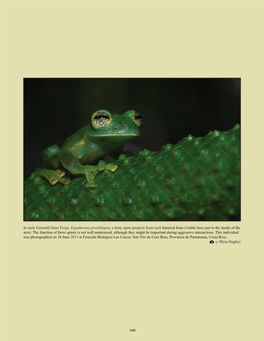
{"points": [[70, 162]]}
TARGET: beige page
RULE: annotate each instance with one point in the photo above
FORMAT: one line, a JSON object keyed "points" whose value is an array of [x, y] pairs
{"points": [[131, 289]]}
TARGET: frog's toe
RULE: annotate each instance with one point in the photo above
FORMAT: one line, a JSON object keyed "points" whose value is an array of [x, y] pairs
{"points": [[112, 168], [65, 181], [93, 184], [52, 181], [90, 179], [60, 174]]}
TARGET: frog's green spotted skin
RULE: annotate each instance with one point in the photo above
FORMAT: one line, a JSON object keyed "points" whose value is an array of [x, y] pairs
{"points": [[195, 179], [106, 135]]}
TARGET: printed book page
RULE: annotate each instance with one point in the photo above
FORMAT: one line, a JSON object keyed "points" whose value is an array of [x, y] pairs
{"points": [[173, 256]]}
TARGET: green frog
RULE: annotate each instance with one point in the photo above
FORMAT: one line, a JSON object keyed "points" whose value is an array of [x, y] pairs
{"points": [[81, 152]]}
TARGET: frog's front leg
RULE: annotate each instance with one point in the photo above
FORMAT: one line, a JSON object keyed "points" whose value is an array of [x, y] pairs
{"points": [[70, 162]]}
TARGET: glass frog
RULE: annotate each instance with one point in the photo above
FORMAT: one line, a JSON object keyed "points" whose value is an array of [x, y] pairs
{"points": [[80, 153]]}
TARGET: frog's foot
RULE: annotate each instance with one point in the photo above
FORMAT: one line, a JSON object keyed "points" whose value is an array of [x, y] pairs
{"points": [[91, 171], [53, 176]]}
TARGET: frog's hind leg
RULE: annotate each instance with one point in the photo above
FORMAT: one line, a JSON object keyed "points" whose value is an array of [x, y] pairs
{"points": [[51, 165], [53, 176], [49, 157]]}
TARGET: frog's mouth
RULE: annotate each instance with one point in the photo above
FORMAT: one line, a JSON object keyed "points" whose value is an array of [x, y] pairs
{"points": [[118, 136]]}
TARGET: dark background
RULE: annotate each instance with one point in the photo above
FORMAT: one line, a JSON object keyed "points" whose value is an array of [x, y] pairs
{"points": [[172, 108]]}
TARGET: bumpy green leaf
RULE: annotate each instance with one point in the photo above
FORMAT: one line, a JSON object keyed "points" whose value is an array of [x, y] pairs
{"points": [[195, 179]]}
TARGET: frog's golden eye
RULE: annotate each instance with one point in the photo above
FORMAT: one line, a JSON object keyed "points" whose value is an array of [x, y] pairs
{"points": [[137, 118], [101, 118]]}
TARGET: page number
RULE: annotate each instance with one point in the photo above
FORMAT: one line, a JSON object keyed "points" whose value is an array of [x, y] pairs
{"points": [[132, 330]]}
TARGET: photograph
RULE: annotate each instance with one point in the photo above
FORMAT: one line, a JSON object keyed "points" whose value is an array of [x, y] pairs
{"points": [[127, 149]]}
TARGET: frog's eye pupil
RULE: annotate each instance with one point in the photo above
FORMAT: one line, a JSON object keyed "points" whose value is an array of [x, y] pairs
{"points": [[101, 119], [101, 116], [138, 118]]}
